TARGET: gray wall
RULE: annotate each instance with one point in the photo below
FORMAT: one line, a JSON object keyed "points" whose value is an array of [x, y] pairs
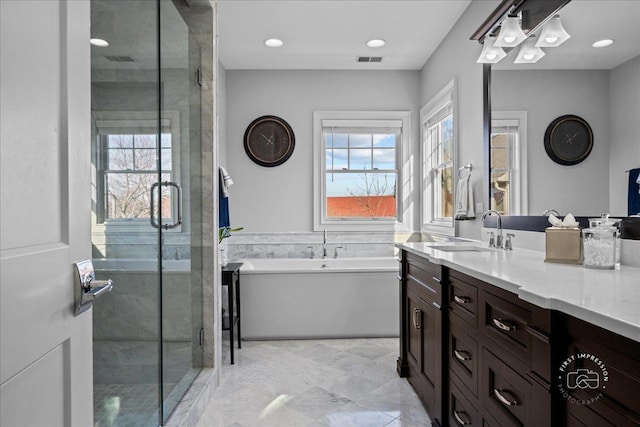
{"points": [[221, 87], [624, 153], [280, 199], [455, 58], [581, 189]]}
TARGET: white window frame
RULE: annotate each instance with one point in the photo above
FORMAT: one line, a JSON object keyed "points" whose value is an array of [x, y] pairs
{"points": [[430, 223], [133, 120], [320, 222], [519, 198]]}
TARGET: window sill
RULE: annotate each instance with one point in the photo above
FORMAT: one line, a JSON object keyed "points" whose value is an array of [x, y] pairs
{"points": [[134, 226], [376, 225], [445, 229]]}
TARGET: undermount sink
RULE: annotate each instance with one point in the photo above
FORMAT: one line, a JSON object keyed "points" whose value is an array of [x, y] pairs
{"points": [[462, 248]]}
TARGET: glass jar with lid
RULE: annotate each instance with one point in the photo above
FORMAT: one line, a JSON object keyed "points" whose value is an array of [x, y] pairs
{"points": [[601, 243]]}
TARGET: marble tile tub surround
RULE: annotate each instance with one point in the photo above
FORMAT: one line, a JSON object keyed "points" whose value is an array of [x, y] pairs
{"points": [[245, 244], [140, 245], [340, 382]]}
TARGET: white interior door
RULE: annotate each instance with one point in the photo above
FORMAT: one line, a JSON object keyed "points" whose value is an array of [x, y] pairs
{"points": [[46, 352]]}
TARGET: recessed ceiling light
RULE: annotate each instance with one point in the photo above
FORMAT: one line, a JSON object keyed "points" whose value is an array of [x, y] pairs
{"points": [[99, 42], [603, 43], [274, 42], [376, 43]]}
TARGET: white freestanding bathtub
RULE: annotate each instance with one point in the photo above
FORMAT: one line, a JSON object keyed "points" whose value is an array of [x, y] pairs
{"points": [[319, 298]]}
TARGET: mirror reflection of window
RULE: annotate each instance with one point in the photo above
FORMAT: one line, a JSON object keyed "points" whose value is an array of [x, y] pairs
{"points": [[508, 167]]}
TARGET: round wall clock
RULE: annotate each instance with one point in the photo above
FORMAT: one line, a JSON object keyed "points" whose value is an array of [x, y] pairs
{"points": [[568, 140], [269, 141]]}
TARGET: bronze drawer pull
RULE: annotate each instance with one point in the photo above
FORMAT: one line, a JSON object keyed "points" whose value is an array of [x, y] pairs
{"points": [[456, 415], [498, 394], [416, 313], [461, 300], [504, 325], [462, 355]]}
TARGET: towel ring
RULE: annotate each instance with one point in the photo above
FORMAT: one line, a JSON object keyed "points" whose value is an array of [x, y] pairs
{"points": [[469, 167]]}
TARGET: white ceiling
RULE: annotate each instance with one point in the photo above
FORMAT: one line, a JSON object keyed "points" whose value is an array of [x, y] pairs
{"points": [[330, 34], [588, 21]]}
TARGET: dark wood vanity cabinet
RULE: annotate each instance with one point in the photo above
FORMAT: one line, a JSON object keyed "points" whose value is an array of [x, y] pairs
{"points": [[492, 338], [616, 404], [477, 355], [423, 323]]}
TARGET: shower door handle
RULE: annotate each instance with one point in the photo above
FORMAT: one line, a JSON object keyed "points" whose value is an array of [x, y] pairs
{"points": [[152, 218]]}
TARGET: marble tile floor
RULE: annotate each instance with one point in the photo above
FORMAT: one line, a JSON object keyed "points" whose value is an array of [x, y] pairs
{"points": [[125, 375], [125, 405], [315, 383]]}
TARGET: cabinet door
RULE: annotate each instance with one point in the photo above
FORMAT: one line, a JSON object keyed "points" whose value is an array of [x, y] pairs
{"points": [[431, 325], [424, 352], [414, 333]]}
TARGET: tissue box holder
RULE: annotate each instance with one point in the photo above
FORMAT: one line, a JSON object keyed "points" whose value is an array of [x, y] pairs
{"points": [[563, 245]]}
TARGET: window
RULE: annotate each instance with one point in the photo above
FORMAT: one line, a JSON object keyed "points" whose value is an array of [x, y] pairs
{"points": [[358, 157], [128, 155], [438, 160], [129, 170], [508, 130]]}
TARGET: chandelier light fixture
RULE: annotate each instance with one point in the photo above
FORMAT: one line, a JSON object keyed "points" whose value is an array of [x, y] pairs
{"points": [[529, 53], [511, 34], [553, 33], [490, 54]]}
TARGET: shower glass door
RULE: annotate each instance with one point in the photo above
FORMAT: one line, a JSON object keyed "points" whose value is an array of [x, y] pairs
{"points": [[181, 283], [146, 134]]}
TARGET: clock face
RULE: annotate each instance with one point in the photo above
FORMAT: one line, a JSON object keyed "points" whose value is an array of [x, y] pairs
{"points": [[568, 140], [269, 141]]}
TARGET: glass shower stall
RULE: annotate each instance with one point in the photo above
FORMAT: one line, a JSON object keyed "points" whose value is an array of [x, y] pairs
{"points": [[147, 209]]}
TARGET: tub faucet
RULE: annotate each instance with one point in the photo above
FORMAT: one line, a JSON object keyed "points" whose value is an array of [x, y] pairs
{"points": [[548, 212], [335, 251], [324, 244], [498, 242], [312, 255]]}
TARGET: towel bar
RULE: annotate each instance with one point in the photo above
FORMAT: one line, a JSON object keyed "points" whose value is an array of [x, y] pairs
{"points": [[469, 166]]}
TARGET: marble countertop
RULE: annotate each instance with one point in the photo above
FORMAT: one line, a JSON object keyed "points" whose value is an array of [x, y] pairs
{"points": [[606, 298]]}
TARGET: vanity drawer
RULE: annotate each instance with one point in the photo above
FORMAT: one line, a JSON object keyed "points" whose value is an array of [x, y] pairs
{"points": [[463, 299], [461, 411], [463, 356], [506, 394], [426, 275], [506, 322]]}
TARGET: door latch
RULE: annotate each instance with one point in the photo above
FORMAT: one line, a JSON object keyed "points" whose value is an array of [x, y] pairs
{"points": [[86, 287]]}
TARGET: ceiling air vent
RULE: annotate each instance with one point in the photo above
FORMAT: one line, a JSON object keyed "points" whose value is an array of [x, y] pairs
{"points": [[369, 59], [117, 58]]}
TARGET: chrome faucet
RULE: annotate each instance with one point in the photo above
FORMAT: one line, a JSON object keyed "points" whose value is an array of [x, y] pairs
{"points": [[324, 244], [498, 243], [548, 212], [335, 251]]}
